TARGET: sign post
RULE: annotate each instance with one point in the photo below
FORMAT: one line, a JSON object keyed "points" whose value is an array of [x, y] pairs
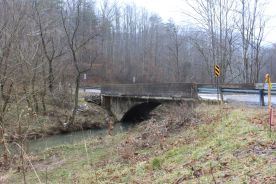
{"points": [[217, 75], [270, 109]]}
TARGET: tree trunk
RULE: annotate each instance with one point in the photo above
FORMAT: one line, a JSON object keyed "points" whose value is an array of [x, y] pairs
{"points": [[76, 99], [51, 76]]}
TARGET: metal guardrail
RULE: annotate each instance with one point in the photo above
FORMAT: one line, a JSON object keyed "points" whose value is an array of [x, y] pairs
{"points": [[231, 91], [261, 91], [265, 86]]}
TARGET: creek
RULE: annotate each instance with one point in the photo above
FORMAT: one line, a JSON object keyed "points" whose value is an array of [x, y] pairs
{"points": [[41, 144]]}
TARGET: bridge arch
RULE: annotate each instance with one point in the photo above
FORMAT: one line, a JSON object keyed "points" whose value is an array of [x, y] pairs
{"points": [[139, 112]]}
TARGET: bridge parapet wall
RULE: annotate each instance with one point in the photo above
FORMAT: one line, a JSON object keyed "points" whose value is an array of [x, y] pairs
{"points": [[178, 90]]}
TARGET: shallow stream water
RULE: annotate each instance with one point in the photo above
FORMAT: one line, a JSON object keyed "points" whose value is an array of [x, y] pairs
{"points": [[44, 143]]}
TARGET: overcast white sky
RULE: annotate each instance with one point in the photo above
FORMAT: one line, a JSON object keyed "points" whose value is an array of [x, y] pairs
{"points": [[174, 9]]}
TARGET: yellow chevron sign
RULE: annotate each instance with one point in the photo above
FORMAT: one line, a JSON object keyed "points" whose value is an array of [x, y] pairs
{"points": [[217, 70]]}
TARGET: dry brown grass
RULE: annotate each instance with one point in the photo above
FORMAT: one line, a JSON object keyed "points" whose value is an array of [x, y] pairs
{"points": [[153, 132]]}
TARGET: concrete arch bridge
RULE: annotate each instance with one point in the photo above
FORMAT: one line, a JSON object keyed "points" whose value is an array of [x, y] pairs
{"points": [[129, 102]]}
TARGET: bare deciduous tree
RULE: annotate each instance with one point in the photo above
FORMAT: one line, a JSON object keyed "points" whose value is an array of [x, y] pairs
{"points": [[77, 41]]}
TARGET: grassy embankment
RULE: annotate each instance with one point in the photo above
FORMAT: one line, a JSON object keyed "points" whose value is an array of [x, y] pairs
{"points": [[215, 145]]}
